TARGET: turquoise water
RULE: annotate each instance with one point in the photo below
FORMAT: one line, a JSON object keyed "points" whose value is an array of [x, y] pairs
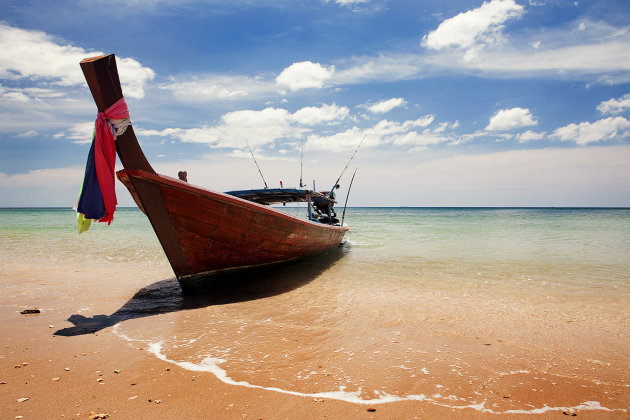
{"points": [[564, 248], [426, 304], [574, 249]]}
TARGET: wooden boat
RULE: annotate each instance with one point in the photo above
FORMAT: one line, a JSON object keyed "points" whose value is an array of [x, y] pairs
{"points": [[204, 232]]}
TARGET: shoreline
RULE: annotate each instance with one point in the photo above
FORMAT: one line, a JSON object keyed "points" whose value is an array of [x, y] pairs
{"points": [[429, 317], [109, 375]]}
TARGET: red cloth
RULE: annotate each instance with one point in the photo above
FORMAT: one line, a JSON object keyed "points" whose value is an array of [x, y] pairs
{"points": [[105, 155]]}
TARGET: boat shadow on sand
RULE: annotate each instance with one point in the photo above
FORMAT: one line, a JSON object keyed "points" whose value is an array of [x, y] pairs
{"points": [[167, 296]]}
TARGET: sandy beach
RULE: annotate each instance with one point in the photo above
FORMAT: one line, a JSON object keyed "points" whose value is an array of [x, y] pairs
{"points": [[551, 366]]}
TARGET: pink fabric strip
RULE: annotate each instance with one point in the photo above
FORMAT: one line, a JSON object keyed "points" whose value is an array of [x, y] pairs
{"points": [[105, 155]]}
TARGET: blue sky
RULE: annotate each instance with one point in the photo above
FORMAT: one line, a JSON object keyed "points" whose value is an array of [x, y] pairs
{"points": [[461, 103]]}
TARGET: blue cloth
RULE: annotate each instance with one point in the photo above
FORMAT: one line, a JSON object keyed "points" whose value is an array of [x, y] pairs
{"points": [[91, 202]]}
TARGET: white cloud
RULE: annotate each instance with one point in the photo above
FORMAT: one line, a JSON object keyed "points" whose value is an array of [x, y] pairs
{"points": [[211, 87], [312, 115], [475, 28], [259, 128], [611, 128], [80, 133], [350, 2], [134, 77], [508, 119], [601, 52], [35, 55], [304, 75], [591, 176], [391, 127], [29, 133], [381, 68], [42, 109], [425, 138], [615, 106], [564, 62], [256, 127], [530, 135], [383, 132], [445, 125], [51, 178], [29, 95], [386, 105], [346, 140]]}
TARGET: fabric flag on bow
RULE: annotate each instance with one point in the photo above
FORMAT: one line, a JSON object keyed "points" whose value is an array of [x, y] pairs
{"points": [[98, 194]]}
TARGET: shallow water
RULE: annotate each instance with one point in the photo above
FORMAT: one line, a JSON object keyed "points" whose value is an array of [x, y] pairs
{"points": [[436, 305]]}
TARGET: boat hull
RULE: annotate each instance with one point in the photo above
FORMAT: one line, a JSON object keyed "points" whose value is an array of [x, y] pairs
{"points": [[205, 232]]}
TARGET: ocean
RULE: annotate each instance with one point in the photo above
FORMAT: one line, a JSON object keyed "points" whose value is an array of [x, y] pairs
{"points": [[457, 307]]}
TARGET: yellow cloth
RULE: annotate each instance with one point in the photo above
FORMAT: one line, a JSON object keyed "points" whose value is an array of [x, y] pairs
{"points": [[83, 223]]}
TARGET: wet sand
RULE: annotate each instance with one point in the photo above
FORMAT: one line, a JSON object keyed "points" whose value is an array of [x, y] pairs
{"points": [[478, 357]]}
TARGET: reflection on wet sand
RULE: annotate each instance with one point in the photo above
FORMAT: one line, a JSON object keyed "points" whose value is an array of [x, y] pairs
{"points": [[166, 295]]}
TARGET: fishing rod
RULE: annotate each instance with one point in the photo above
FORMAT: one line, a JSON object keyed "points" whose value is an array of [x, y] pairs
{"points": [[343, 216], [344, 169], [301, 160], [259, 171]]}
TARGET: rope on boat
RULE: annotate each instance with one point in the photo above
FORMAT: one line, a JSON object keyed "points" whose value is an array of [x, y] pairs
{"points": [[120, 125]]}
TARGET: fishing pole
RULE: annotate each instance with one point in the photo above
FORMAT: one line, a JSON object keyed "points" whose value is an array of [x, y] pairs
{"points": [[259, 171], [343, 216], [344, 169], [301, 160]]}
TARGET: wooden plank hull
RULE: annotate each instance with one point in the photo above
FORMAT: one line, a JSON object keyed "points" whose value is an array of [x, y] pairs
{"points": [[204, 232], [201, 231]]}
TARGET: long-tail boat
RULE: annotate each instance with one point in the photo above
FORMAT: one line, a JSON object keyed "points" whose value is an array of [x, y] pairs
{"points": [[204, 232]]}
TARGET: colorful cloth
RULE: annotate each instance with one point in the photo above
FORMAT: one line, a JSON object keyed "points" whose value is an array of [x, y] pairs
{"points": [[98, 194]]}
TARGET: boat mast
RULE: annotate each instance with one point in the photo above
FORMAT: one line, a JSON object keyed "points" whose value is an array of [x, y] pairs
{"points": [[259, 171]]}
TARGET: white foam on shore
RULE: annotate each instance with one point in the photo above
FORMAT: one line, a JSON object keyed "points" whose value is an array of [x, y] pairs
{"points": [[211, 365]]}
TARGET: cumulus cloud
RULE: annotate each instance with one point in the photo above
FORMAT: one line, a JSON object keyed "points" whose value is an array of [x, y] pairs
{"points": [[423, 139], [615, 106], [530, 135], [611, 128], [386, 105], [304, 75], [35, 55], [509, 119], [312, 115], [259, 128], [256, 127], [475, 28], [446, 125], [383, 132], [602, 50], [602, 55]]}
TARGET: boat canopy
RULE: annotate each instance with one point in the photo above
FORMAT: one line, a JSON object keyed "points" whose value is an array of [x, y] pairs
{"points": [[280, 195]]}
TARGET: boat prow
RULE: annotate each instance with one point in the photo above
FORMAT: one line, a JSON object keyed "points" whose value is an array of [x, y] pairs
{"points": [[204, 232]]}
